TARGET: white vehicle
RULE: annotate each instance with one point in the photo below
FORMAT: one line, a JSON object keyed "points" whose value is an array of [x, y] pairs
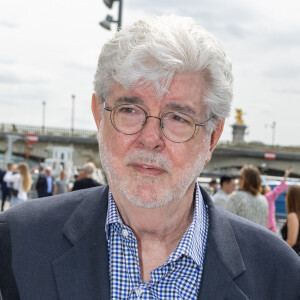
{"points": [[62, 159]]}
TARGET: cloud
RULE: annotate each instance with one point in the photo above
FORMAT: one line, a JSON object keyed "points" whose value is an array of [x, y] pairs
{"points": [[283, 71], [6, 61], [288, 91], [79, 66], [8, 24], [12, 78], [9, 78]]}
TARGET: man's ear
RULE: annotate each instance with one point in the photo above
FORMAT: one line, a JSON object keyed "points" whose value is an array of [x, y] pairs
{"points": [[214, 138], [96, 109]]}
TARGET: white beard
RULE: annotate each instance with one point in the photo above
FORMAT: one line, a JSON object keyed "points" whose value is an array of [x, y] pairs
{"points": [[143, 191]]}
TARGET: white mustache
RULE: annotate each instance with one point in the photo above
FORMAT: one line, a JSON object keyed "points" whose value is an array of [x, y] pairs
{"points": [[144, 156]]}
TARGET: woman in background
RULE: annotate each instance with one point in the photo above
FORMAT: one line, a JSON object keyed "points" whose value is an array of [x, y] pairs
{"points": [[271, 196], [248, 202], [61, 185], [21, 181], [291, 229]]}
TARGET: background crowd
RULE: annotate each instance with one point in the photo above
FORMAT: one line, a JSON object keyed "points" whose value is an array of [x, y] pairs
{"points": [[17, 182], [248, 195]]}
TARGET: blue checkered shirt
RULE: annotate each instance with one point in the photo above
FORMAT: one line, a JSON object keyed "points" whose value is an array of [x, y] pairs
{"points": [[178, 278]]}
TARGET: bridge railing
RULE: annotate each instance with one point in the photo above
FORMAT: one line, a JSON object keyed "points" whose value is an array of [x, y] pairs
{"points": [[40, 130]]}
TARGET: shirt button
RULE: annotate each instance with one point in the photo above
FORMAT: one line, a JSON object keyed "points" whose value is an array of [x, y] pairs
{"points": [[139, 292], [125, 233]]}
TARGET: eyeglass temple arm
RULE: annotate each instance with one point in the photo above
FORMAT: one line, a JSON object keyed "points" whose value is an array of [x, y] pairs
{"points": [[107, 108], [205, 122]]}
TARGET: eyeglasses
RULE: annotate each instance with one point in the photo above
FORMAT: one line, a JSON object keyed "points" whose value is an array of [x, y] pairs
{"points": [[129, 119]]}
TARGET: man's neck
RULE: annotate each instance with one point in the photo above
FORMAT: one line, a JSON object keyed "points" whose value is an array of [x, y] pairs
{"points": [[157, 230], [224, 190], [161, 222]]}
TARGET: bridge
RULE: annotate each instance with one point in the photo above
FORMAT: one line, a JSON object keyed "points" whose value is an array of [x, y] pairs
{"points": [[228, 157]]}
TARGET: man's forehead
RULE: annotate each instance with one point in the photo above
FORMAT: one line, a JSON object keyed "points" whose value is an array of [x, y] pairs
{"points": [[186, 91]]}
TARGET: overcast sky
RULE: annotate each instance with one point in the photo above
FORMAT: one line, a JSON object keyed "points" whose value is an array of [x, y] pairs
{"points": [[49, 51]]}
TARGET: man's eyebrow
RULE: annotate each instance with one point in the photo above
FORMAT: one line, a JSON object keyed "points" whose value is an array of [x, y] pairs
{"points": [[128, 100], [173, 106], [181, 108]]}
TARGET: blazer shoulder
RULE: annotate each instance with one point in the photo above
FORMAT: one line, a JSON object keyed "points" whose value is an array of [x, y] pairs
{"points": [[254, 256], [8, 285], [51, 210], [254, 239]]}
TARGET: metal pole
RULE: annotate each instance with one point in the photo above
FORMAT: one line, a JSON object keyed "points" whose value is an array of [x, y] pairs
{"points": [[120, 15], [273, 133], [44, 116], [72, 115], [9, 149]]}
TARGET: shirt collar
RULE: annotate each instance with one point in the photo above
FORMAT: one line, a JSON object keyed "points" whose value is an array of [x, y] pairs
{"points": [[193, 241], [113, 215]]}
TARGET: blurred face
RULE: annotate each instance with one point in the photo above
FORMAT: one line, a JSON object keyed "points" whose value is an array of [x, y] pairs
{"points": [[13, 168], [214, 186], [229, 187], [81, 175], [146, 168]]}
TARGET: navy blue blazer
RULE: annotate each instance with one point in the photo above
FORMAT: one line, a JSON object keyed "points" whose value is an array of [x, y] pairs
{"points": [[55, 248]]}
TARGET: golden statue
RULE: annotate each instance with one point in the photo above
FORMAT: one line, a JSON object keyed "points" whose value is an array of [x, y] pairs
{"points": [[239, 116]]}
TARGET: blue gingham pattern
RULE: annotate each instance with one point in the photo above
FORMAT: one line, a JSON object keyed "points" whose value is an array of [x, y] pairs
{"points": [[178, 278]]}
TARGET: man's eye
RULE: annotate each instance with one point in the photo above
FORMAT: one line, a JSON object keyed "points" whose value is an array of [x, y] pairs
{"points": [[127, 110], [178, 119]]}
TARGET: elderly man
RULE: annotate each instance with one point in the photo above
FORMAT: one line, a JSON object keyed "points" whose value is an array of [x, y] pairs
{"points": [[163, 88], [45, 183], [86, 178]]}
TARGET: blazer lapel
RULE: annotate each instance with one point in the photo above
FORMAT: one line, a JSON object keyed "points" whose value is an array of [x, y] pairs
{"points": [[82, 272], [223, 262]]}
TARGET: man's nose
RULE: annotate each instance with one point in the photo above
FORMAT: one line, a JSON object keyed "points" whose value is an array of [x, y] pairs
{"points": [[151, 134]]}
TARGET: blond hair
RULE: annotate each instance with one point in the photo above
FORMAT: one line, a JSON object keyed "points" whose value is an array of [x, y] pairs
{"points": [[25, 175]]}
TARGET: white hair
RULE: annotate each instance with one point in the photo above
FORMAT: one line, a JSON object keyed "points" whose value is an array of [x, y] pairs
{"points": [[89, 168], [153, 50]]}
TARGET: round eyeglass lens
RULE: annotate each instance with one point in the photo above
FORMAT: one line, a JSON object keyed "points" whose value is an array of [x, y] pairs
{"points": [[178, 127], [128, 119]]}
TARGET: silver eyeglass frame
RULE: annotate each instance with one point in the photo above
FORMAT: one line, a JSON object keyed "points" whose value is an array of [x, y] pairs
{"points": [[160, 120]]}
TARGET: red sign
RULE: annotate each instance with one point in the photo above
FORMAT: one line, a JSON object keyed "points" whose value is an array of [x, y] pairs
{"points": [[270, 155], [31, 138]]}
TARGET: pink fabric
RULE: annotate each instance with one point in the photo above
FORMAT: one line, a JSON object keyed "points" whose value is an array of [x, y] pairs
{"points": [[271, 197]]}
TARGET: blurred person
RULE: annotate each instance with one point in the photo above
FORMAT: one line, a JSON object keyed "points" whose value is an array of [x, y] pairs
{"points": [[248, 202], [45, 184], [85, 178], [227, 184], [5, 186], [213, 187], [291, 229], [271, 196], [163, 88], [61, 185], [4, 189], [81, 175], [21, 180]]}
